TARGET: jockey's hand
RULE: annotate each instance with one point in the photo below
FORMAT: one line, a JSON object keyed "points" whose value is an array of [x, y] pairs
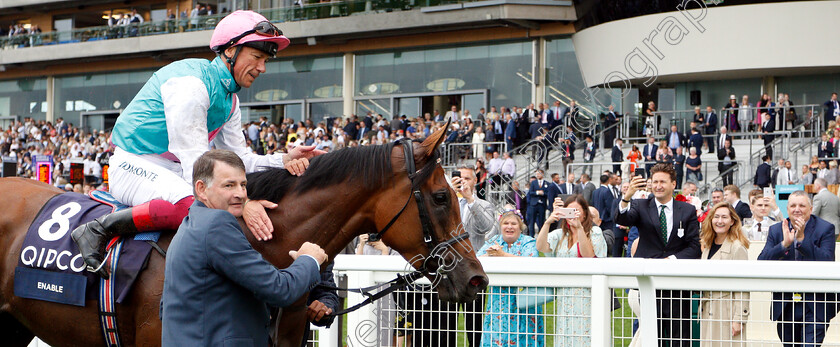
{"points": [[299, 152], [317, 310], [296, 167], [257, 219]]}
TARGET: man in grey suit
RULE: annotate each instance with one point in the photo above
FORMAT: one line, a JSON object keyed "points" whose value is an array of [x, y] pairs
{"points": [[826, 204], [476, 214], [217, 287], [477, 218], [588, 187]]}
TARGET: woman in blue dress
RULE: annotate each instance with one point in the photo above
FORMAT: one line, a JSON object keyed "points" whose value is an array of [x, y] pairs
{"points": [[504, 323]]}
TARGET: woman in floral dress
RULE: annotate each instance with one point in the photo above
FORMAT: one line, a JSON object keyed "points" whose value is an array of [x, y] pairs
{"points": [[504, 323]]}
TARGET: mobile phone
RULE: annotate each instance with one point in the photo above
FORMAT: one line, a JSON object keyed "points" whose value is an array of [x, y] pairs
{"points": [[456, 173], [639, 172], [768, 192], [566, 213]]}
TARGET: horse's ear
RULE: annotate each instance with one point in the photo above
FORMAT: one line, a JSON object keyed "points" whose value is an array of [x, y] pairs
{"points": [[431, 143]]}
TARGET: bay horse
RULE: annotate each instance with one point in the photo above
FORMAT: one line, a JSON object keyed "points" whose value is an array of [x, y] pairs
{"points": [[341, 195]]}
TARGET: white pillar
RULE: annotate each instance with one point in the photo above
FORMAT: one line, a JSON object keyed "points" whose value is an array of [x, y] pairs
{"points": [[348, 82], [540, 71], [50, 99]]}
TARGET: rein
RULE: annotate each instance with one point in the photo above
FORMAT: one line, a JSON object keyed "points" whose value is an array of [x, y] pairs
{"points": [[428, 237]]}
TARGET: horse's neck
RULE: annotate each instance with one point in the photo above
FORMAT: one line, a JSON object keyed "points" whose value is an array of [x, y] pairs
{"points": [[331, 219]]}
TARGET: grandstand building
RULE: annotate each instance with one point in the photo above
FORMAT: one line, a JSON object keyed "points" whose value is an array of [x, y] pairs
{"points": [[411, 57]]}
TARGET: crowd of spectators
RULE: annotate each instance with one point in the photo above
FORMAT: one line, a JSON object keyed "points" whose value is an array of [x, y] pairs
{"points": [[65, 143]]}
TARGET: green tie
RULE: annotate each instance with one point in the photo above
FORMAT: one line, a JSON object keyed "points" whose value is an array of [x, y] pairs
{"points": [[663, 224]]}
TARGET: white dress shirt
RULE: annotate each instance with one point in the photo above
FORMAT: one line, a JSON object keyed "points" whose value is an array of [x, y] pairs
{"points": [[669, 214], [508, 167], [494, 166]]}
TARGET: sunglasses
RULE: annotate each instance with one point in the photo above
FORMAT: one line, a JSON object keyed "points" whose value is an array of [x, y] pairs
{"points": [[264, 28]]}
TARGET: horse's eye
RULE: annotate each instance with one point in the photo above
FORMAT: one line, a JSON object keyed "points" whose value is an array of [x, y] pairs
{"points": [[439, 198]]}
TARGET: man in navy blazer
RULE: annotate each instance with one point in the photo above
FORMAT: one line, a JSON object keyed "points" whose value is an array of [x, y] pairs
{"points": [[602, 200], [617, 156], [217, 288], [825, 149], [710, 128], [762, 173], [801, 317], [510, 134], [555, 188], [677, 237], [537, 193], [649, 154], [832, 109]]}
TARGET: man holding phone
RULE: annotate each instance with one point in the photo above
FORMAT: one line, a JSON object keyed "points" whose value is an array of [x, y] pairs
{"points": [[667, 229]]}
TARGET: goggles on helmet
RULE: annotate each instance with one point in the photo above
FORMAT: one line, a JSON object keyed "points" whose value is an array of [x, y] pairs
{"points": [[264, 28]]}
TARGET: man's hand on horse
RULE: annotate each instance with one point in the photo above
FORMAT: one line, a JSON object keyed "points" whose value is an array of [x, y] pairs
{"points": [[257, 219], [311, 249], [317, 310]]}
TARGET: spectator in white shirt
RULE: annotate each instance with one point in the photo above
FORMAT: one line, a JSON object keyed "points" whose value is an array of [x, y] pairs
{"points": [[765, 214], [508, 166]]}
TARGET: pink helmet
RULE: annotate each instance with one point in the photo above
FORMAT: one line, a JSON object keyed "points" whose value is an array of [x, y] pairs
{"points": [[243, 27]]}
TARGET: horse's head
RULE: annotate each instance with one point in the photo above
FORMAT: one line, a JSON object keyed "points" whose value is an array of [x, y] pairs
{"points": [[428, 231]]}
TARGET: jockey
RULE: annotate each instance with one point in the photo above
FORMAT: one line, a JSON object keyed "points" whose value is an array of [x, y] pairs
{"points": [[183, 108]]}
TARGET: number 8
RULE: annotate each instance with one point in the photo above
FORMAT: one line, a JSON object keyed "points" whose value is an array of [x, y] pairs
{"points": [[60, 216]]}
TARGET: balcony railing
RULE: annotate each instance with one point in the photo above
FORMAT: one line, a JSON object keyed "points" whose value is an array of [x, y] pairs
{"points": [[320, 10]]}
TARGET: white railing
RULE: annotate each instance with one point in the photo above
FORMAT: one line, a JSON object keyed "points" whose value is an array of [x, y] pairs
{"points": [[603, 276]]}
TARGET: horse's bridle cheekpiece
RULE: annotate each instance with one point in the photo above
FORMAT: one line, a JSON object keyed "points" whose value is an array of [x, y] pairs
{"points": [[435, 248]]}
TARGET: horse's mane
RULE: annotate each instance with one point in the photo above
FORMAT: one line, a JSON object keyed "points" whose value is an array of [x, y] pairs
{"points": [[371, 165]]}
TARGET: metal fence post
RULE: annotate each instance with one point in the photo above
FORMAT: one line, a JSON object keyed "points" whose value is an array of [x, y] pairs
{"points": [[647, 321], [601, 308]]}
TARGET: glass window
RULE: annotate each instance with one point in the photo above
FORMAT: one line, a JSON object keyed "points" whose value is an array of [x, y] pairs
{"points": [[808, 90], [503, 68], [375, 106], [25, 97], [297, 78], [410, 107], [320, 111], [96, 92], [564, 81]]}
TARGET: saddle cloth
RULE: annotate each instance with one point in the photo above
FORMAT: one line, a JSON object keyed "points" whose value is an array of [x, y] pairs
{"points": [[50, 267]]}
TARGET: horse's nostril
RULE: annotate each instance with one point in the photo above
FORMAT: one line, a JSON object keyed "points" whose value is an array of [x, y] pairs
{"points": [[478, 281]]}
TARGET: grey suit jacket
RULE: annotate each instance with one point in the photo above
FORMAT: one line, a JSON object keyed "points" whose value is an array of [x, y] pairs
{"points": [[827, 206], [479, 222], [217, 287], [587, 192]]}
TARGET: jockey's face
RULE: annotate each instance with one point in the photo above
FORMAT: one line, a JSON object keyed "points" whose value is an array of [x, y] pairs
{"points": [[249, 65], [226, 191]]}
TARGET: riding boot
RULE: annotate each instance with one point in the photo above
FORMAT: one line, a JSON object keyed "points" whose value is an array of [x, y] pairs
{"points": [[93, 237]]}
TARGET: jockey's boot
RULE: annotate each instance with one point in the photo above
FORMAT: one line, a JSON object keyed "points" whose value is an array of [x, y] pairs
{"points": [[93, 237]]}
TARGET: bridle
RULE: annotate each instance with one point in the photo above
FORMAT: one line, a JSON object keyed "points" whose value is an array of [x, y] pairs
{"points": [[428, 233], [436, 249]]}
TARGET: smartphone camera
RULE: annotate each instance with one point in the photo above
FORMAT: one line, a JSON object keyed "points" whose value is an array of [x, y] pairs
{"points": [[639, 172]]}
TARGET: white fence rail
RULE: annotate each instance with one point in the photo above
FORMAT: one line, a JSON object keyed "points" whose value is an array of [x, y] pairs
{"points": [[604, 277]]}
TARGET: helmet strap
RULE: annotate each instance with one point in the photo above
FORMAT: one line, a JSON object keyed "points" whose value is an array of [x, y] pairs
{"points": [[232, 61]]}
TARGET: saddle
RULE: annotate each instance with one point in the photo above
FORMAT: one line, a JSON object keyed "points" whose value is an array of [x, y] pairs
{"points": [[50, 267]]}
